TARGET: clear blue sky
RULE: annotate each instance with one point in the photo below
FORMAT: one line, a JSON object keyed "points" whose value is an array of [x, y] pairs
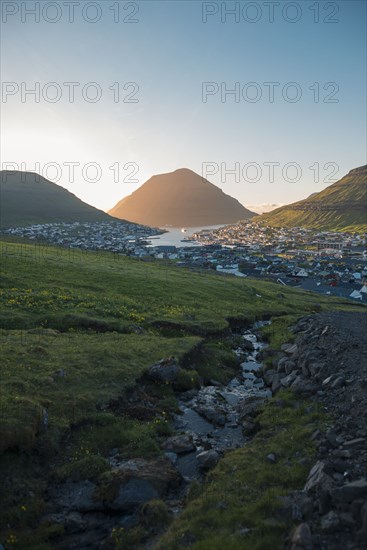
{"points": [[169, 52]]}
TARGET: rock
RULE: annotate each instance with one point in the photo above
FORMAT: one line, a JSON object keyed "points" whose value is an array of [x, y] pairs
{"points": [[215, 383], [166, 370], [250, 406], [269, 376], [338, 382], [289, 509], [291, 350], [211, 414], [249, 427], [133, 494], [323, 500], [77, 496], [347, 519], [362, 533], [136, 481], [188, 395], [75, 522], [355, 443], [315, 369], [318, 480], [332, 438], [61, 373], [208, 459], [281, 364], [289, 366], [159, 471], [340, 453], [271, 457], [334, 381], [179, 444], [300, 326], [330, 521], [338, 465], [247, 345], [350, 491], [276, 383], [172, 457], [288, 380], [303, 387], [326, 381], [302, 538]]}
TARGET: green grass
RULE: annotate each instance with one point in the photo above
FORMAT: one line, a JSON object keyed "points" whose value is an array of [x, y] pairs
{"points": [[31, 381], [278, 332], [53, 287], [78, 331]]}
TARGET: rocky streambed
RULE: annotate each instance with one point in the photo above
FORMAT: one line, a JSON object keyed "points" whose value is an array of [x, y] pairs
{"points": [[212, 419]]}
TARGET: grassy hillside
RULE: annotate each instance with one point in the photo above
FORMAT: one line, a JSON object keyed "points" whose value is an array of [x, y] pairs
{"points": [[78, 331], [27, 198], [340, 207]]}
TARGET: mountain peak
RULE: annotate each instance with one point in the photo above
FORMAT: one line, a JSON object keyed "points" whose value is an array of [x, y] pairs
{"points": [[180, 198], [28, 197]]}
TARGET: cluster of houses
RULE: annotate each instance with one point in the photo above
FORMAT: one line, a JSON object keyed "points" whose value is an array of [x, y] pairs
{"points": [[324, 262], [114, 236], [344, 277]]}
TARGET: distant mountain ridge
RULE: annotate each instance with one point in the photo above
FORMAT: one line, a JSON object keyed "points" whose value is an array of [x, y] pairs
{"points": [[181, 199], [341, 207], [27, 198]]}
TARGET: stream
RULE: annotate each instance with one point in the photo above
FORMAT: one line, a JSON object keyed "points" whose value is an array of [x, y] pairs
{"points": [[211, 415]]}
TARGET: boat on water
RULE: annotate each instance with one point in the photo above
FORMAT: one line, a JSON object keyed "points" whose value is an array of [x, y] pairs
{"points": [[183, 230]]}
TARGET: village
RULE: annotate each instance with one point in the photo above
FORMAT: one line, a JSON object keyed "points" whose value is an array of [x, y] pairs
{"points": [[113, 236], [325, 262]]}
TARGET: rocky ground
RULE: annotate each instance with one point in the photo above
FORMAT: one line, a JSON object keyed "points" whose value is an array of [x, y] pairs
{"points": [[327, 363]]}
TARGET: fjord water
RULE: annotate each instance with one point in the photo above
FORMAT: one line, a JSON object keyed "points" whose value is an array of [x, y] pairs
{"points": [[174, 236]]}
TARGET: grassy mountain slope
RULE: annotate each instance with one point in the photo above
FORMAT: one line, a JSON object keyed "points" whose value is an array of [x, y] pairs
{"points": [[341, 207], [180, 198], [27, 198]]}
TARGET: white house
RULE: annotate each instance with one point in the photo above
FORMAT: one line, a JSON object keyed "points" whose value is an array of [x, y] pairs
{"points": [[356, 295], [299, 272]]}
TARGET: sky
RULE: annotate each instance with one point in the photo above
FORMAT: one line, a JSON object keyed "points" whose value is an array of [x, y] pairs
{"points": [[265, 99]]}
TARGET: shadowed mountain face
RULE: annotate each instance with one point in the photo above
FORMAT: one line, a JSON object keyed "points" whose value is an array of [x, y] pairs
{"points": [[27, 198], [341, 206], [180, 198]]}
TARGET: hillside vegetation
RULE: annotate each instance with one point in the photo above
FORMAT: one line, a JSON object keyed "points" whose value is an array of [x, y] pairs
{"points": [[27, 198], [78, 332], [340, 207]]}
